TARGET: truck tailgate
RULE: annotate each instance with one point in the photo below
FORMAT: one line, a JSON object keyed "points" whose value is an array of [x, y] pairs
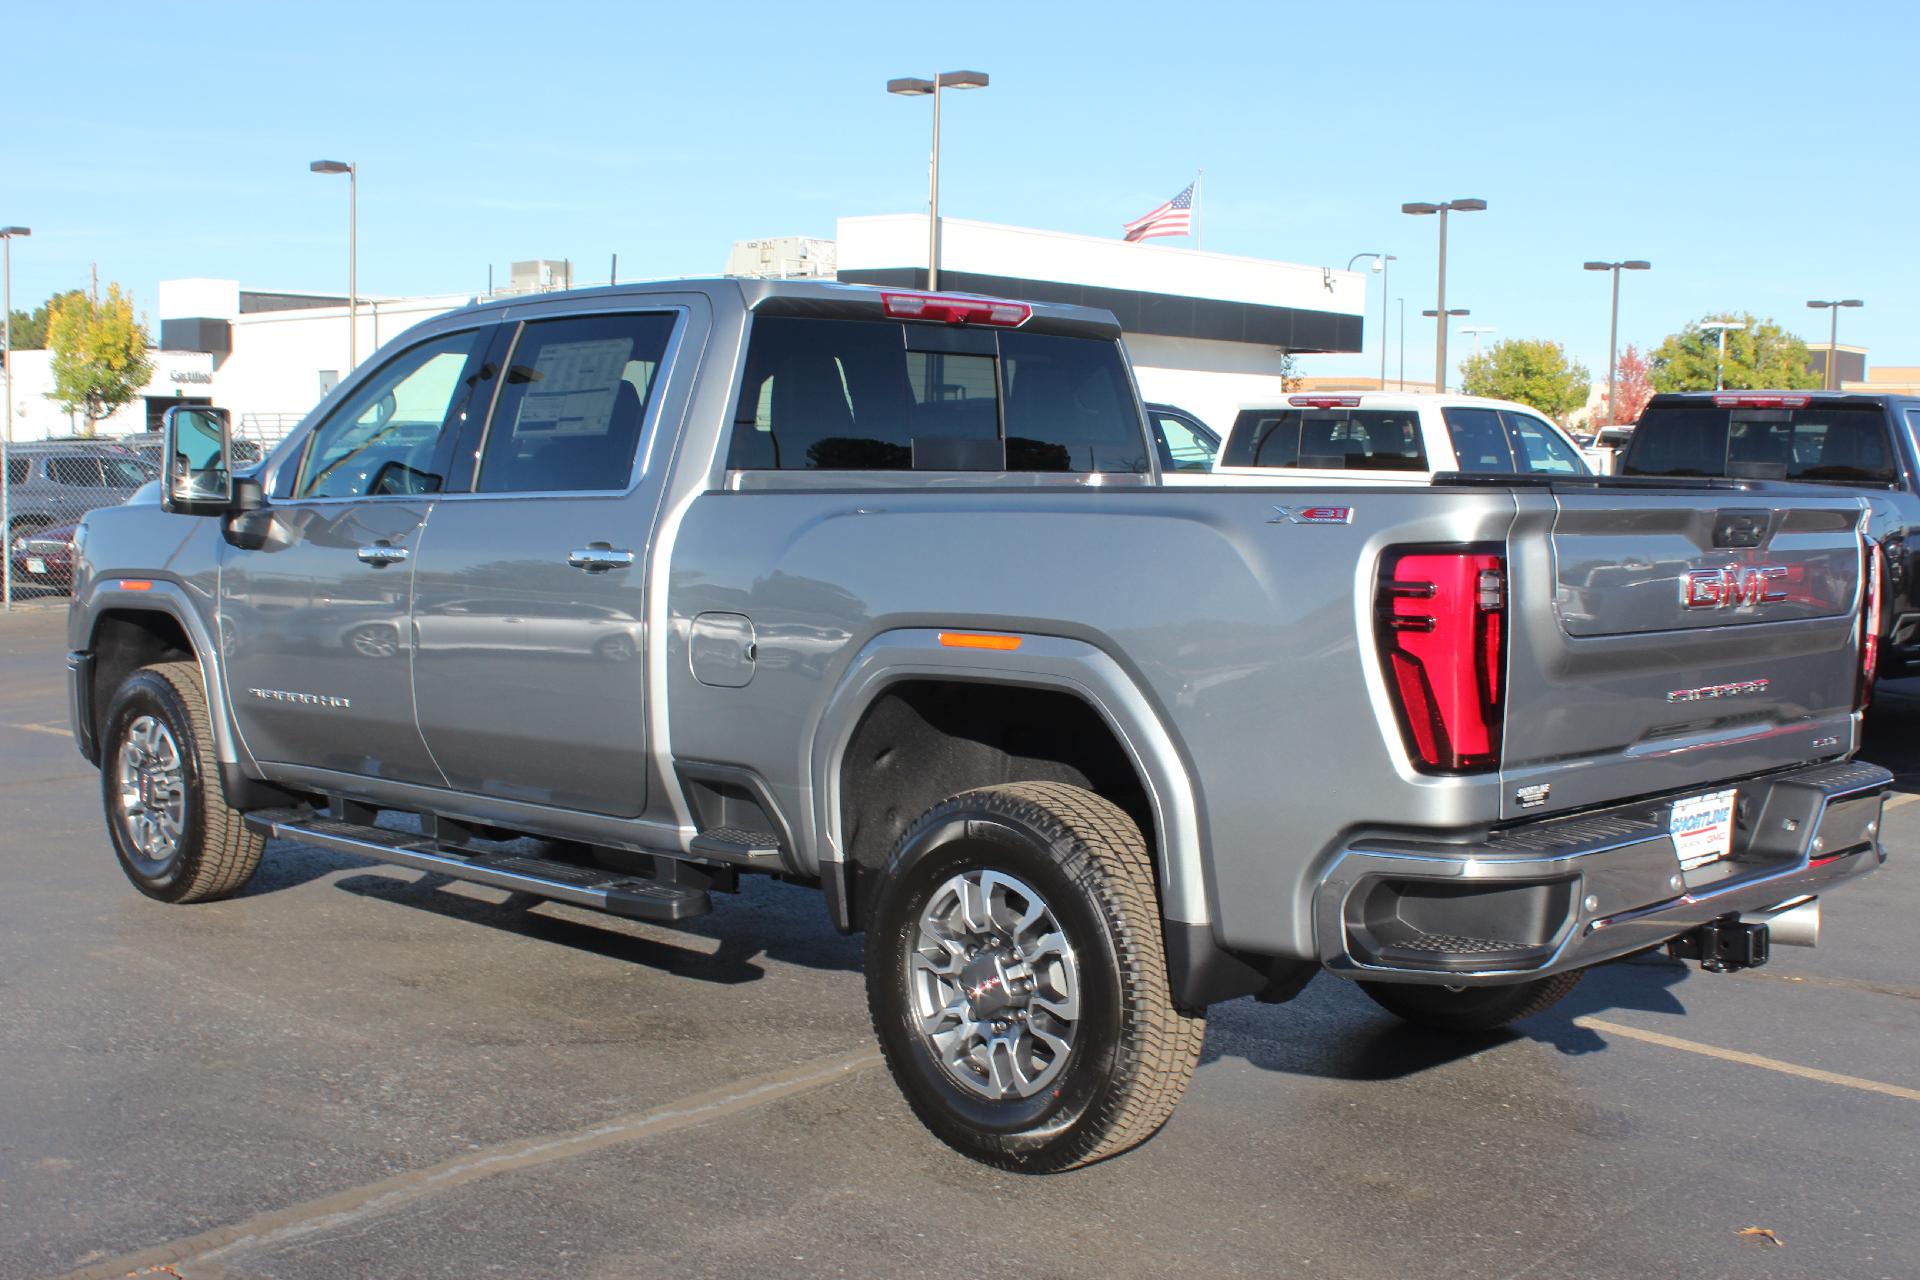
{"points": [[1666, 639]]}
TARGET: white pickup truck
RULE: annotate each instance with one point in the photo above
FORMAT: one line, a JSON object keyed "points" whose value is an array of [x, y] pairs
{"points": [[1386, 438]]}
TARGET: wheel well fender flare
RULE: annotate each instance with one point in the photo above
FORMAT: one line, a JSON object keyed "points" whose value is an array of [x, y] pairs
{"points": [[1041, 662], [164, 596]]}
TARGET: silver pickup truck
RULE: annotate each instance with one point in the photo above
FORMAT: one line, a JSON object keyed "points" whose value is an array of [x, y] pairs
{"points": [[612, 596]]}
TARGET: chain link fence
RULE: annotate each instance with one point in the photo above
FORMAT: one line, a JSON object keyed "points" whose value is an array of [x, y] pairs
{"points": [[51, 484]]}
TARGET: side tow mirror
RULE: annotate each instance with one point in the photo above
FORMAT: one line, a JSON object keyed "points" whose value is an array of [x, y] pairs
{"points": [[196, 461]]}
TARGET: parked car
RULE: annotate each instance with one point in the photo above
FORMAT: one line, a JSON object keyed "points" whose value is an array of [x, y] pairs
{"points": [[1082, 754], [1389, 438], [55, 483], [1183, 441], [43, 557], [1862, 444], [146, 446]]}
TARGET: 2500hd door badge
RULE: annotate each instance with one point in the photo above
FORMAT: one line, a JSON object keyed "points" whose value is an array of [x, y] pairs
{"points": [[303, 699]]}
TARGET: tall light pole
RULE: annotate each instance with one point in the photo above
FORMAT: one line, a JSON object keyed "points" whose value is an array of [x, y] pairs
{"points": [[1380, 261], [1613, 328], [920, 88], [1442, 208], [1443, 319], [1720, 361], [1832, 381], [7, 235], [1400, 384], [1476, 330], [353, 250]]}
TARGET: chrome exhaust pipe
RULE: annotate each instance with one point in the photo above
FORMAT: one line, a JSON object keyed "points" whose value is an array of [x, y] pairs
{"points": [[1794, 923]]}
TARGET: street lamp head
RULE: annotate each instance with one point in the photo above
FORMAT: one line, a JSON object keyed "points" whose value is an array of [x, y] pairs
{"points": [[330, 166], [1597, 266], [1466, 206], [1638, 264], [1379, 263], [1452, 311], [1852, 302], [1419, 208], [963, 79], [10, 232], [910, 87]]}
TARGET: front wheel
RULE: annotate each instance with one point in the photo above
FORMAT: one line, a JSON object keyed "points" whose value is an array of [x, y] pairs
{"points": [[175, 835], [1471, 1008], [1017, 979]]}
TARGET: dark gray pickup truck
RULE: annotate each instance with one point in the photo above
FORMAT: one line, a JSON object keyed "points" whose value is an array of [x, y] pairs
{"points": [[615, 596]]}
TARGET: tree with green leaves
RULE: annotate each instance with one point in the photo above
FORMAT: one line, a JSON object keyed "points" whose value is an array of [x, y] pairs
{"points": [[1533, 371], [1762, 355], [99, 353], [29, 329]]}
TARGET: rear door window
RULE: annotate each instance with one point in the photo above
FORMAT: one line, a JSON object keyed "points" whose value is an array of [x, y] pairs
{"points": [[1839, 444], [575, 394], [1480, 441], [1327, 440], [860, 395], [79, 471]]}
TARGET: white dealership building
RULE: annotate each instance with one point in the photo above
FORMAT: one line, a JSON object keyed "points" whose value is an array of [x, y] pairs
{"points": [[1206, 331]]}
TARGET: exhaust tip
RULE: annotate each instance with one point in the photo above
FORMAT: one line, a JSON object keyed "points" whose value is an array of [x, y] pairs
{"points": [[1795, 923]]}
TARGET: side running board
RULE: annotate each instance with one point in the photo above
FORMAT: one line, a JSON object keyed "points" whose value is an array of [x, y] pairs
{"points": [[615, 892]]}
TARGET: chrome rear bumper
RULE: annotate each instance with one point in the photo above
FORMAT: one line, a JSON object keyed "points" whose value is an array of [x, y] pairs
{"points": [[1527, 901]]}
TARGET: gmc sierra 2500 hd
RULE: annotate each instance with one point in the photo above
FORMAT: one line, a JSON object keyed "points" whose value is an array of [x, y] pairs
{"points": [[879, 591]]}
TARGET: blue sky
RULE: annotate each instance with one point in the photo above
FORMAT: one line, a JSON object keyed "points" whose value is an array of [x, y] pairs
{"points": [[1759, 154]]}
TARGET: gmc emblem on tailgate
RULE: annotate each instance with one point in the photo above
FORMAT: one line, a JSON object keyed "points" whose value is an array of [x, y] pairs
{"points": [[1731, 587]]}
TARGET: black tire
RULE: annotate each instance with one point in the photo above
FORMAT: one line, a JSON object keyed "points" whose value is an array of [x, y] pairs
{"points": [[214, 854], [1471, 1008], [1132, 1051]]}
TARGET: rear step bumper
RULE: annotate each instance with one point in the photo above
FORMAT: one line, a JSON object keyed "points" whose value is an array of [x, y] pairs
{"points": [[1544, 897], [615, 892]]}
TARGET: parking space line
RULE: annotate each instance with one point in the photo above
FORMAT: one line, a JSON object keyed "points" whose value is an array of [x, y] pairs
{"points": [[344, 1208], [57, 731], [1750, 1059]]}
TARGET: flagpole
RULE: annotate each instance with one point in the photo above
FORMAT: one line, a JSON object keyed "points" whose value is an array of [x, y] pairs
{"points": [[1196, 207]]}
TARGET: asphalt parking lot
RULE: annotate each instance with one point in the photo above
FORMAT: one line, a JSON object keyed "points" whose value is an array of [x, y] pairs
{"points": [[353, 1070]]}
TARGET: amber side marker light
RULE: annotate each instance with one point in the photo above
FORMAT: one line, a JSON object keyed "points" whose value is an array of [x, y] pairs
{"points": [[973, 640], [135, 584]]}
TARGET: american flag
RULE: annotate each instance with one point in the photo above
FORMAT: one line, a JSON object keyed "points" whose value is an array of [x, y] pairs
{"points": [[1170, 219]]}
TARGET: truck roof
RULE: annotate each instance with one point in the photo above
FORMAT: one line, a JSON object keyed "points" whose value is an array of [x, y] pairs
{"points": [[823, 298]]}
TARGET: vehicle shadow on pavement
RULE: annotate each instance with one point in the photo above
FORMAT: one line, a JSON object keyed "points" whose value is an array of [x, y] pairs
{"points": [[1333, 1031], [771, 933]]}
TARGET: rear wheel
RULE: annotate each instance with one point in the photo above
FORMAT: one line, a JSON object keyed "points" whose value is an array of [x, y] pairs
{"points": [[176, 837], [1471, 1008], [1017, 979]]}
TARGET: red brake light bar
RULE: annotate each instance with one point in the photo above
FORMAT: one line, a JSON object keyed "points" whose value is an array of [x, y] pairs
{"points": [[950, 309], [1762, 402], [1324, 402], [1872, 557]]}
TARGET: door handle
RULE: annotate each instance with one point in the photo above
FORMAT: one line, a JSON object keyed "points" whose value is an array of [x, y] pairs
{"points": [[381, 553], [599, 559]]}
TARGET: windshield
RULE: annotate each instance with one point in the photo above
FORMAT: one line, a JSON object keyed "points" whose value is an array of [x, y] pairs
{"points": [[1836, 444]]}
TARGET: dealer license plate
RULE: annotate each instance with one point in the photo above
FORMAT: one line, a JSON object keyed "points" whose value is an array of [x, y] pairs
{"points": [[1702, 828], [36, 565]]}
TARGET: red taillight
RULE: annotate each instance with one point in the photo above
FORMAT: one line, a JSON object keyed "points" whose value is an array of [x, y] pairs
{"points": [[1762, 402], [952, 309], [1441, 618], [1324, 402], [1871, 557]]}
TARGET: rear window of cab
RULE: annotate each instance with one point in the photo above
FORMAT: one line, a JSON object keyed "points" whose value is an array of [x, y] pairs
{"points": [[1327, 440], [1836, 444]]}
